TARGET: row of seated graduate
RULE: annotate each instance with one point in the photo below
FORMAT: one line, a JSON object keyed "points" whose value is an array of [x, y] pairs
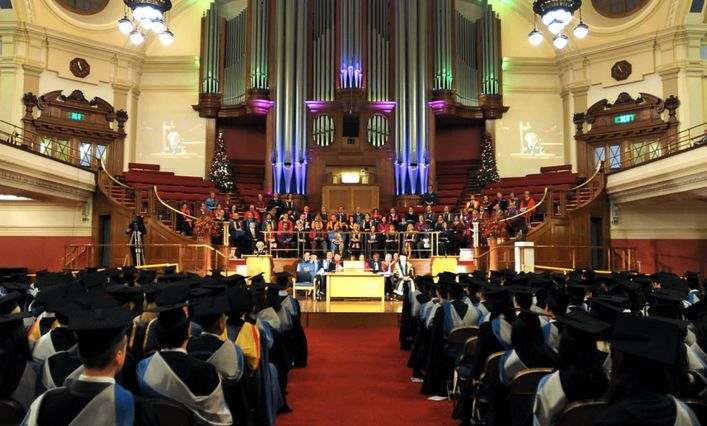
{"points": [[633, 342], [101, 347]]}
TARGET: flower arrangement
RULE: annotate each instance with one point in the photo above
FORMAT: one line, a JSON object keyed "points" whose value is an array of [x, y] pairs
{"points": [[206, 226], [492, 229]]}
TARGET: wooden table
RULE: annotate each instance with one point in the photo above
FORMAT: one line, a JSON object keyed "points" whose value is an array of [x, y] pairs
{"points": [[355, 284]]}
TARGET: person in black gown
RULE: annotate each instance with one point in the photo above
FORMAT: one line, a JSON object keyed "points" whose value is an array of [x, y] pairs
{"points": [[95, 398], [646, 352]]}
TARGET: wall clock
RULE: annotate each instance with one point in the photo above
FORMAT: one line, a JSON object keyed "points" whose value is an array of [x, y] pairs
{"points": [[621, 70], [79, 67]]}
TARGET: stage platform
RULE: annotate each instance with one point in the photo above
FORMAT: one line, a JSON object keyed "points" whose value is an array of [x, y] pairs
{"points": [[350, 314]]}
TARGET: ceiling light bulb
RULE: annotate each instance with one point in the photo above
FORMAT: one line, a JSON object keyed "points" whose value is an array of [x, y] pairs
{"points": [[167, 37], [146, 23], [136, 37], [581, 30], [560, 41], [158, 26], [556, 27], [548, 17], [125, 26], [535, 37], [142, 12]]}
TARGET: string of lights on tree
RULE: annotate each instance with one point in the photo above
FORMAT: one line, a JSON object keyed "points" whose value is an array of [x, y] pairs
{"points": [[144, 16], [220, 173], [488, 172], [556, 15]]}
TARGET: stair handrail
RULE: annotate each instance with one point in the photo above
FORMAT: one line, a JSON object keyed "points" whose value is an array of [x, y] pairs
{"points": [[528, 210], [599, 168], [159, 199], [103, 167]]}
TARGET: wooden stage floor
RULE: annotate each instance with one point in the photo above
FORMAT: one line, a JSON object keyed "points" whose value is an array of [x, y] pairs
{"points": [[350, 314]]}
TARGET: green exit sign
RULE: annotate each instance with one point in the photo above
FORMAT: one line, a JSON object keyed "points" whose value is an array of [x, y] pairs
{"points": [[75, 116], [624, 118]]}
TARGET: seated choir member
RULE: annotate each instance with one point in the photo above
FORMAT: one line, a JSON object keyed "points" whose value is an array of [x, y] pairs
{"points": [[173, 373], [579, 374], [95, 398], [19, 378], [646, 353]]}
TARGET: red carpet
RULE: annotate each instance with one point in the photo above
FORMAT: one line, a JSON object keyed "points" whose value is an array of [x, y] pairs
{"points": [[358, 376]]}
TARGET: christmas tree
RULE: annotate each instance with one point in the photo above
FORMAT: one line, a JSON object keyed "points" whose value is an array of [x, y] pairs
{"points": [[488, 173], [220, 173]]}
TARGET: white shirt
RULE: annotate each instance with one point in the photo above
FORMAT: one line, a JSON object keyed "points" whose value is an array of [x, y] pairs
{"points": [[92, 379]]}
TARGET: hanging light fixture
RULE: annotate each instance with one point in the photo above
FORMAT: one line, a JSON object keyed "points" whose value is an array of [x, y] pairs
{"points": [[556, 15], [143, 16], [535, 37]]}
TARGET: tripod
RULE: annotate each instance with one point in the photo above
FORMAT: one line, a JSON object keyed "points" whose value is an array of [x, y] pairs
{"points": [[138, 249]]}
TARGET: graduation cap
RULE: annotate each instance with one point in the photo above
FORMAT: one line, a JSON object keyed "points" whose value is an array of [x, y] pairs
{"points": [[671, 282], [216, 273], [283, 278], [58, 299], [425, 282], [9, 309], [446, 275], [94, 279], [212, 306], [239, 300], [124, 294], [234, 280], [129, 271], [257, 278], [99, 329], [650, 338], [16, 286], [664, 302], [95, 299], [582, 323], [146, 276], [171, 297], [169, 270], [557, 300]]}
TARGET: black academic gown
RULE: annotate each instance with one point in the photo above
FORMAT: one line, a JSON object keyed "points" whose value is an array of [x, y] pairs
{"points": [[60, 406], [418, 332], [439, 366], [199, 376], [296, 339], [487, 344], [405, 336], [60, 366], [641, 408]]}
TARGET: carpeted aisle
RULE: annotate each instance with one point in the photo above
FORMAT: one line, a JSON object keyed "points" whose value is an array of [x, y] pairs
{"points": [[358, 376]]}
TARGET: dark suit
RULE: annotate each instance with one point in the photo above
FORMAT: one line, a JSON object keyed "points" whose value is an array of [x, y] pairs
{"points": [[251, 237], [327, 266]]}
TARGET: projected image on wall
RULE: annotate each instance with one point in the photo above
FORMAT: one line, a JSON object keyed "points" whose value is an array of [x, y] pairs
{"points": [[537, 143], [172, 137]]}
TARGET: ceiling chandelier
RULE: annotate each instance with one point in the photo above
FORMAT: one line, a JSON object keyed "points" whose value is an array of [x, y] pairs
{"points": [[143, 16], [556, 15]]}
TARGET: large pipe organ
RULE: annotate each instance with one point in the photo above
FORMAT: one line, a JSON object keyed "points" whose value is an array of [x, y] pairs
{"points": [[357, 83]]}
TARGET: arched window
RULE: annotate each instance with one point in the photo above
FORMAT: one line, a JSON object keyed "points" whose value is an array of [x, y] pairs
{"points": [[323, 130], [377, 130], [83, 7], [618, 8]]}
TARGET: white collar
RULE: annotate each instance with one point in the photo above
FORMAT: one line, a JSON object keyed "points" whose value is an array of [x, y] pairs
{"points": [[184, 351], [92, 379], [210, 334]]}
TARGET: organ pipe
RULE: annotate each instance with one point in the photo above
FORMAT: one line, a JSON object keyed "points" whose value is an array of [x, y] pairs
{"points": [[377, 50], [211, 48], [491, 52], [467, 72], [259, 45], [235, 60]]}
